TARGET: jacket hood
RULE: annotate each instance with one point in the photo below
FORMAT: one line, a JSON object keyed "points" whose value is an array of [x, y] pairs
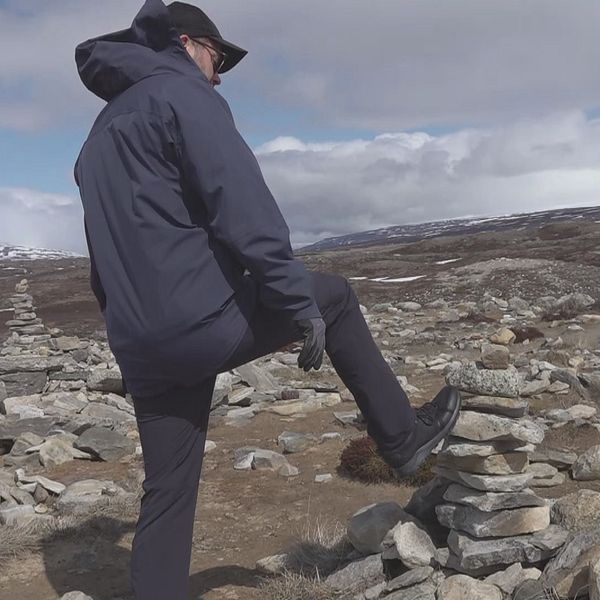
{"points": [[111, 63]]}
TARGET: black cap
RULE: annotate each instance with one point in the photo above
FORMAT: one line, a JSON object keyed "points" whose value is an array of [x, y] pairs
{"points": [[192, 21]]}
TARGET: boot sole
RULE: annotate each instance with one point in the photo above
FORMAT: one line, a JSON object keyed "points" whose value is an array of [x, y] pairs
{"points": [[424, 451]]}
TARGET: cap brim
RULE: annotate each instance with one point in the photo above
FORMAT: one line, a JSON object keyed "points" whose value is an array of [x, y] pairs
{"points": [[234, 55]]}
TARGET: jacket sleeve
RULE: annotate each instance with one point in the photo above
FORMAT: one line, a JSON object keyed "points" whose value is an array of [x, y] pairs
{"points": [[95, 282], [222, 172]]}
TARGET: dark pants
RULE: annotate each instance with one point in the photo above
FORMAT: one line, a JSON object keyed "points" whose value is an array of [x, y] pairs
{"points": [[173, 426]]}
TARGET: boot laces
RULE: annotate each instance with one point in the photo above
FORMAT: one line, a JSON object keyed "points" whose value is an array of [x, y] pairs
{"points": [[426, 413]]}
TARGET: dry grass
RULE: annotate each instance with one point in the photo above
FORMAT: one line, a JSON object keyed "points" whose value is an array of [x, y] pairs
{"points": [[109, 519], [293, 586], [318, 549]]}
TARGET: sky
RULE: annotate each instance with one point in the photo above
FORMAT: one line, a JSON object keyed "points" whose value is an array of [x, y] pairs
{"points": [[362, 115]]}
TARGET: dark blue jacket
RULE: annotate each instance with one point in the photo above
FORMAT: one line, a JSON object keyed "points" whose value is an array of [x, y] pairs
{"points": [[176, 210]]}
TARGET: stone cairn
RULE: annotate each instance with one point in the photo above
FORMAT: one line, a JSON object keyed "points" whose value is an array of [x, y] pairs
{"points": [[490, 462], [28, 333]]}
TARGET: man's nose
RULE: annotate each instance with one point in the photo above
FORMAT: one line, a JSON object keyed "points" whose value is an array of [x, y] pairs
{"points": [[216, 80]]}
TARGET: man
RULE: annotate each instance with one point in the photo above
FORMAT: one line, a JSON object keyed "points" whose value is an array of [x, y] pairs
{"points": [[176, 211]]}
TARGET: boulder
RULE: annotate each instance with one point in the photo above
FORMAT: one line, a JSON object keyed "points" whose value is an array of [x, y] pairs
{"points": [[369, 525], [105, 444], [463, 587], [488, 382]]}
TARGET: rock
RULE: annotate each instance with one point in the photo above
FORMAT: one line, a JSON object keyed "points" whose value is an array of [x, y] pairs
{"points": [[422, 506], [102, 414], [55, 451], [499, 382], [594, 580], [558, 387], [503, 336], [240, 397], [587, 466], [457, 447], [288, 408], [409, 578], [409, 306], [105, 380], [104, 443], [570, 377], [568, 571], [410, 543], [360, 573], [496, 464], [579, 511], [350, 417], [556, 457], [426, 590], [463, 587], [510, 578], [240, 416], [582, 411], [323, 478], [209, 446], [20, 364], [570, 305], [243, 462], [115, 401], [267, 460], [293, 442], [23, 406], [81, 496], [489, 483], [64, 403], [518, 304], [258, 378], [273, 565], [223, 386], [66, 343], [13, 427], [76, 595], [16, 515], [288, 470], [492, 501], [52, 486], [40, 495], [25, 441], [495, 356], [485, 427], [369, 525], [473, 554], [535, 387], [509, 407], [503, 523], [545, 475]]}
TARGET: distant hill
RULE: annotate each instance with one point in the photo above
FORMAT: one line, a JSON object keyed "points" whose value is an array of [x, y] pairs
{"points": [[413, 233], [9, 252]]}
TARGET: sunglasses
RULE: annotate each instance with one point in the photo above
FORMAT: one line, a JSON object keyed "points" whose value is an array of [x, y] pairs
{"points": [[218, 58]]}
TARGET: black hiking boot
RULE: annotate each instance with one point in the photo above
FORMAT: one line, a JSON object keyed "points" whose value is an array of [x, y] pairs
{"points": [[433, 423]]}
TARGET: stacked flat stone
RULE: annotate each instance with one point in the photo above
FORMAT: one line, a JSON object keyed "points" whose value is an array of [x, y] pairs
{"points": [[494, 517], [28, 333]]}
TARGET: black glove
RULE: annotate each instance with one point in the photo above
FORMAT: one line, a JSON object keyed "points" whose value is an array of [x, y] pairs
{"points": [[311, 354]]}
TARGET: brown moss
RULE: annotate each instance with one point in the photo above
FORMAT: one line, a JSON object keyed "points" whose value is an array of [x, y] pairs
{"points": [[526, 332], [361, 460]]}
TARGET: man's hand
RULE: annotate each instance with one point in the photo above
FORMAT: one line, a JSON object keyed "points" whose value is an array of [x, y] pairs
{"points": [[314, 343]]}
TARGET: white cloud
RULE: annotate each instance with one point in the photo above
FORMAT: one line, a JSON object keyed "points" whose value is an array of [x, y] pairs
{"points": [[333, 188], [394, 66], [41, 220], [337, 188]]}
